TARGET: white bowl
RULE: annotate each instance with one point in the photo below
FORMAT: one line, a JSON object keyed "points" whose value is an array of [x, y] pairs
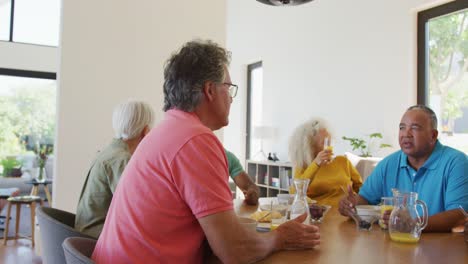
{"points": [[370, 210], [366, 215]]}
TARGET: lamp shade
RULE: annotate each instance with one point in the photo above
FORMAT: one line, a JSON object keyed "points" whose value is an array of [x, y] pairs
{"points": [[284, 2], [263, 132]]}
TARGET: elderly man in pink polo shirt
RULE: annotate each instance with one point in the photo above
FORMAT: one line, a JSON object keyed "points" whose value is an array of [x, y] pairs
{"points": [[173, 196]]}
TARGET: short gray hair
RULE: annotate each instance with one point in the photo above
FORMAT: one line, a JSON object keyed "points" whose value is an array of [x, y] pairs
{"points": [[186, 72], [301, 142], [428, 111], [130, 118]]}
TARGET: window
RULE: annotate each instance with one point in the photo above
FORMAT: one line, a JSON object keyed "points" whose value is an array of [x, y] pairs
{"points": [[254, 107], [30, 21], [5, 11], [443, 69], [27, 111]]}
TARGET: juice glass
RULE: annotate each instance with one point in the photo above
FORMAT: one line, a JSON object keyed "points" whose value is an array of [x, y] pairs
{"points": [[327, 144], [278, 216], [387, 204]]}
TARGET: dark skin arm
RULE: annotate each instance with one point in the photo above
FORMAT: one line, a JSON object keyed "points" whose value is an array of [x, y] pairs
{"points": [[441, 222], [248, 187]]}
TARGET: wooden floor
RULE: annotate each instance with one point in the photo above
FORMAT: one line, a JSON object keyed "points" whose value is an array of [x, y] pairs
{"points": [[18, 252]]}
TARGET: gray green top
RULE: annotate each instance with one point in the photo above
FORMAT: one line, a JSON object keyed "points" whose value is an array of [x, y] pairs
{"points": [[234, 165], [99, 187]]}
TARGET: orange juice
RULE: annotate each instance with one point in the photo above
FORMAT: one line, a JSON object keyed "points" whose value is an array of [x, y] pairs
{"points": [[383, 209], [330, 148], [274, 226], [404, 237]]}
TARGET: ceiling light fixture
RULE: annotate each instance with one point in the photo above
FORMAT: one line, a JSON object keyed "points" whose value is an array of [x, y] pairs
{"points": [[284, 2]]}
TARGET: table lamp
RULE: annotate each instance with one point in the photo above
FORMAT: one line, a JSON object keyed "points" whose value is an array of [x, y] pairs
{"points": [[262, 133]]}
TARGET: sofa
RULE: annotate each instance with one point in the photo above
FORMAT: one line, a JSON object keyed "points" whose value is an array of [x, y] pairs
{"points": [[364, 166]]}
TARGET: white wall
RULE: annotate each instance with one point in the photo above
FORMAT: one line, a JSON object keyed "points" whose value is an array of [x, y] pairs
{"points": [[350, 62], [28, 57], [110, 51]]}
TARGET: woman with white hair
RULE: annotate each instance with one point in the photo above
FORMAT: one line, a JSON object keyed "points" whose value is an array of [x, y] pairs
{"points": [[131, 121], [311, 161]]}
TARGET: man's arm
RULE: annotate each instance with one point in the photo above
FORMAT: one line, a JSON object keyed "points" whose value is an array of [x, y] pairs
{"points": [[444, 222], [248, 187], [347, 204], [232, 243]]}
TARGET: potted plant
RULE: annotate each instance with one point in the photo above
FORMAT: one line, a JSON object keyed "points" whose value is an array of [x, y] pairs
{"points": [[364, 146], [11, 167]]}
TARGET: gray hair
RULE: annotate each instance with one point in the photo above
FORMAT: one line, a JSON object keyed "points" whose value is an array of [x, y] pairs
{"points": [[428, 111], [130, 118], [301, 150], [186, 72]]}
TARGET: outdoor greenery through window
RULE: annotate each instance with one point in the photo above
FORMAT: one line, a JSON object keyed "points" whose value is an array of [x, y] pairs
{"points": [[27, 115], [443, 73]]}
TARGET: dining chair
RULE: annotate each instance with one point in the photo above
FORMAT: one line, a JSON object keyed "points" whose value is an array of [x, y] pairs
{"points": [[55, 226], [78, 250]]}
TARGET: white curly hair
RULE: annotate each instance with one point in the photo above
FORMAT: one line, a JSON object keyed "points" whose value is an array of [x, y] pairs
{"points": [[130, 118], [301, 142]]}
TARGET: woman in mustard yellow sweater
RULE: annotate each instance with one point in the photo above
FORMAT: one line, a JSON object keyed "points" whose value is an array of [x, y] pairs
{"points": [[311, 161]]}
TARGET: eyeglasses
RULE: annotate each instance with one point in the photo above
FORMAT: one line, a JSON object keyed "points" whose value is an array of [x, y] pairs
{"points": [[232, 89]]}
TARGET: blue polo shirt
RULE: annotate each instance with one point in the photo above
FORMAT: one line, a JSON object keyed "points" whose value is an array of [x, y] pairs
{"points": [[442, 182]]}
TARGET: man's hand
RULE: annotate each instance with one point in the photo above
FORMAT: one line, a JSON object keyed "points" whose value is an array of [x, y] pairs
{"points": [[248, 187], [296, 235], [251, 195], [386, 216], [347, 204]]}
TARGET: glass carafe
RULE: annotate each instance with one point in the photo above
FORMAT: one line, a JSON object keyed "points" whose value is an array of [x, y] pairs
{"points": [[405, 224], [300, 205]]}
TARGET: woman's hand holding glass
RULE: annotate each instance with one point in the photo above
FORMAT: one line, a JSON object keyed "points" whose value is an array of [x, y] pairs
{"points": [[324, 157]]}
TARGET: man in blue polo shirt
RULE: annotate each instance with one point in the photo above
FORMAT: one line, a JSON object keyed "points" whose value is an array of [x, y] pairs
{"points": [[439, 174]]}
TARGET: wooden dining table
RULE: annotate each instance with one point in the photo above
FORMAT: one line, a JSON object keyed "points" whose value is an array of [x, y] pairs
{"points": [[341, 242]]}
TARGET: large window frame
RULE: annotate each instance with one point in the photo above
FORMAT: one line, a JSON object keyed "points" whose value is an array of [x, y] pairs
{"points": [[248, 127], [28, 74], [423, 52], [445, 95], [12, 30]]}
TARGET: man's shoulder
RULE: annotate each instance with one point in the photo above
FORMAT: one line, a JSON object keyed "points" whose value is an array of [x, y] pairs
{"points": [[452, 152]]}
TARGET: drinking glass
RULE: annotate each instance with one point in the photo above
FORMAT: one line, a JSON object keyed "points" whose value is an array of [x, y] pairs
{"points": [[278, 215], [283, 199], [385, 205], [327, 144]]}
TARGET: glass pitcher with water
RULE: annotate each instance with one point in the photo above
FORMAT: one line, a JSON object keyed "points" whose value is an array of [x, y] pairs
{"points": [[300, 205], [405, 223]]}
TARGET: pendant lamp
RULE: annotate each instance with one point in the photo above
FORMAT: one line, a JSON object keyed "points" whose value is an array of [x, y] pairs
{"points": [[284, 2]]}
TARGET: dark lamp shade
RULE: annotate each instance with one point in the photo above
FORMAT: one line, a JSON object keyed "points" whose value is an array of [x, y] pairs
{"points": [[284, 2]]}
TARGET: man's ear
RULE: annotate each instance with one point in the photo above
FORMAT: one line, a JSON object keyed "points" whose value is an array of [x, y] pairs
{"points": [[209, 90], [435, 134]]}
